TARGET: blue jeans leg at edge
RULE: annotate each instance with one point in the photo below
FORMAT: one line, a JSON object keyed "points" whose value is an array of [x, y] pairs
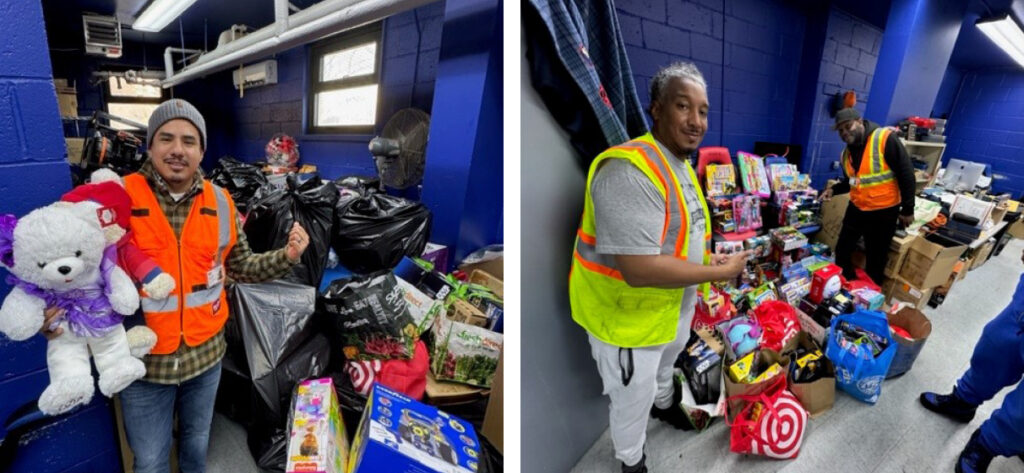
{"points": [[149, 414]]}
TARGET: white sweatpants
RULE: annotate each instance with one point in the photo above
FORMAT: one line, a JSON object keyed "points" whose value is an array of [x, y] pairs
{"points": [[651, 383]]}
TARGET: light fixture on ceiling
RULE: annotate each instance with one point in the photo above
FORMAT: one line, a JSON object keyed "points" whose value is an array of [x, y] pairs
{"points": [[159, 13], [1007, 34]]}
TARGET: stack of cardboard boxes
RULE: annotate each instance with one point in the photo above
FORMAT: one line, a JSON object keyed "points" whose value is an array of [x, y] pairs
{"points": [[917, 266]]}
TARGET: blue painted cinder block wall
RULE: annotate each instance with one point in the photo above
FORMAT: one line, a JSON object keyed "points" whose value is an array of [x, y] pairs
{"points": [[748, 52], [847, 63], [33, 173], [412, 42], [987, 123]]}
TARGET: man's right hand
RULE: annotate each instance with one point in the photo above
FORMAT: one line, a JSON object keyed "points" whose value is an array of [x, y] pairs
{"points": [[735, 263], [49, 316], [826, 195]]}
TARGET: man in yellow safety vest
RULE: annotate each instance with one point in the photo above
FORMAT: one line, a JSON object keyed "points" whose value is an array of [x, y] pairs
{"points": [[642, 252]]}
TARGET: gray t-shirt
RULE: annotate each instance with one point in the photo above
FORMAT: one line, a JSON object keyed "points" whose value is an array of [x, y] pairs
{"points": [[629, 213]]}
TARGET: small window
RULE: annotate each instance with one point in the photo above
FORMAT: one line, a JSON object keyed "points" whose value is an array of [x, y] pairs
{"points": [[133, 101], [344, 82]]}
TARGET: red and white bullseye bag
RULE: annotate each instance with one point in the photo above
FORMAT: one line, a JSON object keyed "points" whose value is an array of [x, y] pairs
{"points": [[770, 424]]}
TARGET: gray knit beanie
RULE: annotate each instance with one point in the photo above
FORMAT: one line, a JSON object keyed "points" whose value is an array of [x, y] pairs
{"points": [[176, 108]]}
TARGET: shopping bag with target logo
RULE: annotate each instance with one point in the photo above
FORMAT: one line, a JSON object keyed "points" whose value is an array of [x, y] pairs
{"points": [[771, 423], [861, 347]]}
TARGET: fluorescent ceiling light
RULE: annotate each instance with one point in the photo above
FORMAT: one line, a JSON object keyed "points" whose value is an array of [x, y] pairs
{"points": [[159, 13], [1007, 35]]}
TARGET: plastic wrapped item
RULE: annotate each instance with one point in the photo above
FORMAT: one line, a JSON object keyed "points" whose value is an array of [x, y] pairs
{"points": [[375, 231], [721, 180], [747, 212], [317, 441], [368, 318], [464, 353], [701, 362], [755, 177], [282, 153], [273, 211], [241, 180]]}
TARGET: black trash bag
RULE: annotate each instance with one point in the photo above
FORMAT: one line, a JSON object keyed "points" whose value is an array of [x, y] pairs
{"points": [[242, 180], [272, 212], [491, 460], [374, 232], [268, 435], [367, 318], [361, 184], [268, 322]]}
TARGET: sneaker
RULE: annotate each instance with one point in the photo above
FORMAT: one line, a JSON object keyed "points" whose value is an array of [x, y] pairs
{"points": [[673, 415], [949, 405], [975, 457], [638, 468]]}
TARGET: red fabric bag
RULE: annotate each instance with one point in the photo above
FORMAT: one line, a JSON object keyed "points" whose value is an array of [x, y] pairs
{"points": [[406, 376], [708, 315], [779, 322], [770, 424]]}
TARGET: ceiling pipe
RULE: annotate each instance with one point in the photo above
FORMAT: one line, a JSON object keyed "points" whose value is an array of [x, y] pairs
{"points": [[169, 61], [329, 16]]}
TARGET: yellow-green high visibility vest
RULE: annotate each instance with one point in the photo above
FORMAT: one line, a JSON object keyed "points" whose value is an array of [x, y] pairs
{"points": [[601, 301]]}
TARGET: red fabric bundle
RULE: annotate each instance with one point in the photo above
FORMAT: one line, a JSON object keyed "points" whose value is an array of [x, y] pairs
{"points": [[406, 376], [779, 322]]}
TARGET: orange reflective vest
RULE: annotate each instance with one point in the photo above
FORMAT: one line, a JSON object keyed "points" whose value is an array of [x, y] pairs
{"points": [[197, 308], [601, 301], [873, 186]]}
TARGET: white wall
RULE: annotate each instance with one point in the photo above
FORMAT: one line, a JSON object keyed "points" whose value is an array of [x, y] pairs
{"points": [[563, 411]]}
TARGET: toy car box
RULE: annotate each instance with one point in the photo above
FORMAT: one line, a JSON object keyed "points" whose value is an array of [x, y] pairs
{"points": [[400, 435], [318, 443]]}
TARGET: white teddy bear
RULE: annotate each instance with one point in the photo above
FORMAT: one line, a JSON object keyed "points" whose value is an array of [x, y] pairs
{"points": [[58, 258]]}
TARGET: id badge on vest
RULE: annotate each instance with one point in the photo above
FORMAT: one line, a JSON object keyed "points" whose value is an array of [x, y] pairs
{"points": [[215, 276], [854, 181]]}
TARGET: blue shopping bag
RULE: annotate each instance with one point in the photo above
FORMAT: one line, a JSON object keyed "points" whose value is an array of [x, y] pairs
{"points": [[861, 376]]}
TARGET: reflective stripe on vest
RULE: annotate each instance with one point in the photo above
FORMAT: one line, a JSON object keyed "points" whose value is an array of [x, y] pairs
{"points": [[601, 301], [196, 309], [873, 174]]}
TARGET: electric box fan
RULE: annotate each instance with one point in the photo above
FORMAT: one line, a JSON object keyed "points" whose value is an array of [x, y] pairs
{"points": [[400, 150]]}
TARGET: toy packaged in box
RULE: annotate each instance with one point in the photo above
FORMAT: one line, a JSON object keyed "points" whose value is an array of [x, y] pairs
{"points": [[400, 435], [722, 215], [721, 180], [755, 178], [318, 443], [728, 247], [747, 212], [761, 246], [788, 238]]}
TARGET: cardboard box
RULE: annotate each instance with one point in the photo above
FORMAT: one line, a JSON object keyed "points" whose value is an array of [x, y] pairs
{"points": [[485, 279], [919, 327], [817, 396], [901, 290], [75, 147], [494, 416], [982, 253], [1017, 229], [400, 435], [442, 393], [68, 103], [763, 358], [808, 325], [928, 264], [967, 261], [971, 207], [832, 214], [318, 443], [998, 213], [462, 311], [898, 249], [494, 266]]}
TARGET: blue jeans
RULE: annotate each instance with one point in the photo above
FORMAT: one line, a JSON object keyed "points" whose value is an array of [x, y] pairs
{"points": [[149, 414], [998, 362]]}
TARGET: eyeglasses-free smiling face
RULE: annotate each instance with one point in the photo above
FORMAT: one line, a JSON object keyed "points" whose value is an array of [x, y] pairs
{"points": [[176, 153], [851, 131], [681, 116]]}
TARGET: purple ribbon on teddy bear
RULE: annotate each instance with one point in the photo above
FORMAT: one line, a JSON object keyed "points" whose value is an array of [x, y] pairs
{"points": [[87, 310]]}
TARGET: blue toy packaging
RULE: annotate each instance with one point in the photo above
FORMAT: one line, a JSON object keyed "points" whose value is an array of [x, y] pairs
{"points": [[400, 435]]}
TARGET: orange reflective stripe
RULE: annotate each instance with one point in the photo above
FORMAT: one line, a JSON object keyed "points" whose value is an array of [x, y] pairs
{"points": [[598, 268], [588, 239]]}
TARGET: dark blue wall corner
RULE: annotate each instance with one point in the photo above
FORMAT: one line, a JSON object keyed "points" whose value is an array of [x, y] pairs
{"points": [[33, 173], [462, 183], [948, 91], [986, 123], [847, 63]]}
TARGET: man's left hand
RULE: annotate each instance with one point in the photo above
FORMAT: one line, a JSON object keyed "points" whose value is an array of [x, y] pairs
{"points": [[906, 221], [298, 240]]}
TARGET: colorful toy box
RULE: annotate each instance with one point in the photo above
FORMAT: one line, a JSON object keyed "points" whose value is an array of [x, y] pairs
{"points": [[318, 443], [400, 435]]}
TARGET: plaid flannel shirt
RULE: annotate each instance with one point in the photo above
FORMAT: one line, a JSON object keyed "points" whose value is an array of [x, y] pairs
{"points": [[242, 265]]}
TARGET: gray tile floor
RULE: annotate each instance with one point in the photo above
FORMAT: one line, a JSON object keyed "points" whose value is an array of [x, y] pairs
{"points": [[896, 434]]}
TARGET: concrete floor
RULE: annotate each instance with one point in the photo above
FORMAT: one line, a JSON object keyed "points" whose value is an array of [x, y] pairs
{"points": [[896, 434]]}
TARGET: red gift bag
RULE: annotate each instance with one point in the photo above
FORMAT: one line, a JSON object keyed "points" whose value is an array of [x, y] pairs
{"points": [[779, 322], [710, 313], [770, 424], [406, 376]]}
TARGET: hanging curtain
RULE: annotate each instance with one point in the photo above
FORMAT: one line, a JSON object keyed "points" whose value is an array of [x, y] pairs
{"points": [[578, 65]]}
